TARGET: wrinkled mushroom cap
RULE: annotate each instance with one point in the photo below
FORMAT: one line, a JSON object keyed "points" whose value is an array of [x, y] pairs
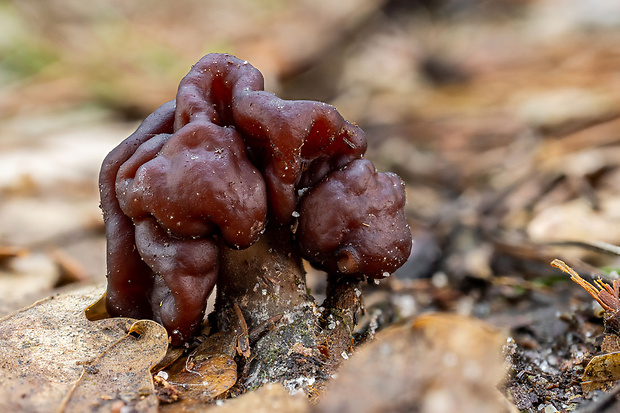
{"points": [[222, 162], [194, 181], [353, 222]]}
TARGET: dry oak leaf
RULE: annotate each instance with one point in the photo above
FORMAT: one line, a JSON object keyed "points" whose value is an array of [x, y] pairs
{"points": [[601, 373], [270, 398], [436, 363], [208, 371], [53, 359]]}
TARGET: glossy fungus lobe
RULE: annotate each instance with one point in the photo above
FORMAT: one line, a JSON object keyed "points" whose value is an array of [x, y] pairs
{"points": [[195, 181], [353, 222], [217, 167]]}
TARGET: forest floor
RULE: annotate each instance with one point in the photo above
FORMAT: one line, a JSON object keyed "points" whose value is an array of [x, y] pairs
{"points": [[503, 119]]}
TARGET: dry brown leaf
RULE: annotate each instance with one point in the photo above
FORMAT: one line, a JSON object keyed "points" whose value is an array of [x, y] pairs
{"points": [[577, 220], [121, 374], [206, 378], [601, 373], [54, 359], [208, 371], [172, 355], [97, 310], [438, 363], [271, 398]]}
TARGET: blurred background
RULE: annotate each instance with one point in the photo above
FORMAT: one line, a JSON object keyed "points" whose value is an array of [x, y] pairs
{"points": [[502, 116]]}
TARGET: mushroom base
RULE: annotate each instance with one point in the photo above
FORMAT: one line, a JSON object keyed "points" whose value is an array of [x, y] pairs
{"points": [[292, 339]]}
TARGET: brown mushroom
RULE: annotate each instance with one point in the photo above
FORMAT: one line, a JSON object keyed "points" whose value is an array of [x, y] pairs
{"points": [[231, 184]]}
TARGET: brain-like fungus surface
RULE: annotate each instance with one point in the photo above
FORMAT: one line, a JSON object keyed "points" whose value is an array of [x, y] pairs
{"points": [[220, 165]]}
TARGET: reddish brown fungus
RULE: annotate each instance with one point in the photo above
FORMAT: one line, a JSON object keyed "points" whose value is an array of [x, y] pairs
{"points": [[223, 166], [364, 231]]}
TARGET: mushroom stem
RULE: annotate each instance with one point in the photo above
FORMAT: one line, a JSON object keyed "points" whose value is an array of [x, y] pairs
{"points": [[342, 307], [267, 282], [264, 280]]}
